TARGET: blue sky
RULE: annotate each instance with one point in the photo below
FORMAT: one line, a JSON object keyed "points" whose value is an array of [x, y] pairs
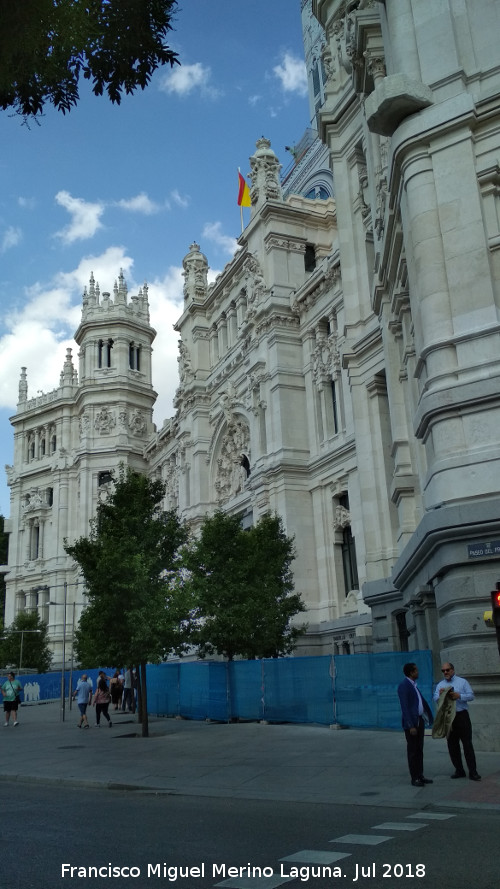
{"points": [[132, 186]]}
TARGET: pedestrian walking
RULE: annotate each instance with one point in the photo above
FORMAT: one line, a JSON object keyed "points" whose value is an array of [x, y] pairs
{"points": [[459, 691], [102, 700], [415, 711], [116, 689], [128, 699], [11, 693], [83, 696]]}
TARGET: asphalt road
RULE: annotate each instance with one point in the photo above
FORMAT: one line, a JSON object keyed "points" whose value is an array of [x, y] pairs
{"points": [[46, 827]]}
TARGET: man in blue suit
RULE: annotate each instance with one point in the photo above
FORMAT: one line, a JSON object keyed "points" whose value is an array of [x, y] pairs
{"points": [[414, 708]]}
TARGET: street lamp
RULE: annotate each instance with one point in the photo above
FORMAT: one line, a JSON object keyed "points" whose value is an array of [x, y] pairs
{"points": [[63, 670]]}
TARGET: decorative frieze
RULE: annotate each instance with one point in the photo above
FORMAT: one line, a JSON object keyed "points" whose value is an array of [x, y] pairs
{"points": [[105, 421]]}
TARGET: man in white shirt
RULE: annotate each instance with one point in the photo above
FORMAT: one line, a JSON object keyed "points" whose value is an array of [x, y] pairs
{"points": [[461, 728]]}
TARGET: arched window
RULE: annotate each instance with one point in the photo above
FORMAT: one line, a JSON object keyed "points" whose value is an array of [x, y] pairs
{"points": [[134, 357], [109, 346]]}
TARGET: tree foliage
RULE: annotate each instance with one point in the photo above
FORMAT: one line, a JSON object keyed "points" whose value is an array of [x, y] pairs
{"points": [[136, 614], [45, 45], [26, 638], [243, 586]]}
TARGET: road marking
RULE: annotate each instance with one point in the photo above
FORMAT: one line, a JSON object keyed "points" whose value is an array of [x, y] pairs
{"points": [[436, 816], [316, 856], [255, 882], [361, 839], [397, 825]]}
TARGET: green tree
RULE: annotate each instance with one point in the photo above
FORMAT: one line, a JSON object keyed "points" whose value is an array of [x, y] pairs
{"points": [[242, 583], [45, 45], [25, 643], [136, 613]]}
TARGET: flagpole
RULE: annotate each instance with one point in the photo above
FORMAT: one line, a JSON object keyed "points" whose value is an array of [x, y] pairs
{"points": [[241, 215]]}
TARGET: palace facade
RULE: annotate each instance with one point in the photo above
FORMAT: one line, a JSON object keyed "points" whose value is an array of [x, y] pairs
{"points": [[343, 369]]}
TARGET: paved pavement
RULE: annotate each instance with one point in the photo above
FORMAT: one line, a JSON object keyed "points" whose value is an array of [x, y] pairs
{"points": [[240, 760]]}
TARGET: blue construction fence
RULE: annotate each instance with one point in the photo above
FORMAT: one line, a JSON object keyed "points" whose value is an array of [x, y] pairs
{"points": [[358, 690]]}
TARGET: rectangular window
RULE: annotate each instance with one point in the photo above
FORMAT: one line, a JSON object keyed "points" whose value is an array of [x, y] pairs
{"points": [[349, 562], [334, 408]]}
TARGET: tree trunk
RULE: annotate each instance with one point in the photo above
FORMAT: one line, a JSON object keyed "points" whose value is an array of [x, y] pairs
{"points": [[139, 692], [144, 702]]}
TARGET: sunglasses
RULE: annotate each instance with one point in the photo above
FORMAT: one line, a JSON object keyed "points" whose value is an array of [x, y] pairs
{"points": [[446, 671]]}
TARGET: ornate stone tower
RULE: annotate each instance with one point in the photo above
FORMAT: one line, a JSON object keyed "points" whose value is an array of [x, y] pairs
{"points": [[115, 397], [68, 444]]}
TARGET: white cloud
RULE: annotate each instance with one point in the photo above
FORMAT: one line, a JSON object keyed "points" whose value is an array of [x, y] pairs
{"points": [[39, 333], [166, 302], [292, 74], [11, 238], [180, 200], [141, 203], [86, 218], [212, 232], [254, 100], [183, 79]]}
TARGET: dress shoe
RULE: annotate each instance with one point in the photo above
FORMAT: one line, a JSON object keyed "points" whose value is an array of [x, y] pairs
{"points": [[474, 776], [417, 782], [458, 775], [426, 780]]}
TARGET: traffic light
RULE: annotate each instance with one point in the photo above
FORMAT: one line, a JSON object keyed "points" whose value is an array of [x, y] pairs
{"points": [[495, 611]]}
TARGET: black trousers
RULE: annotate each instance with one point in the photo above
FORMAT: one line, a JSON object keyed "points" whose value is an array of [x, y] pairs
{"points": [[461, 730], [415, 750], [101, 708]]}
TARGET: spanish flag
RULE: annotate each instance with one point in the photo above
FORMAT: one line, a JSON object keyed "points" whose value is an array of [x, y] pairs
{"points": [[243, 192]]}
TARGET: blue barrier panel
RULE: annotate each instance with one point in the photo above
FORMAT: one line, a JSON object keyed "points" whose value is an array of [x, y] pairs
{"points": [[218, 693], [359, 690], [366, 687], [194, 690], [163, 689], [47, 686], [298, 690], [245, 690]]}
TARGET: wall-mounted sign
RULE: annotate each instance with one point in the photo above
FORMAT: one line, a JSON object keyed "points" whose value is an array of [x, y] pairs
{"points": [[477, 550]]}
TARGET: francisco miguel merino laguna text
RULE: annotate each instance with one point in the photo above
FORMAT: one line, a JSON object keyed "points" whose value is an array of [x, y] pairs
{"points": [[176, 872]]}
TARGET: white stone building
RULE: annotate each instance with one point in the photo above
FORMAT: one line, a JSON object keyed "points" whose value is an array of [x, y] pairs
{"points": [[343, 370], [411, 118]]}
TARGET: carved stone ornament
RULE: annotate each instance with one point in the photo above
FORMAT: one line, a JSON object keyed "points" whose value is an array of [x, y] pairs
{"points": [[11, 474], [231, 473], [34, 500], [104, 421], [195, 274], [264, 172], [184, 362], [255, 283], [104, 492], [342, 518], [172, 482], [137, 422], [325, 359], [83, 424]]}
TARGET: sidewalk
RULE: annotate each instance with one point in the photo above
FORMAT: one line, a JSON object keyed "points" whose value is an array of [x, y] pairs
{"points": [[240, 760]]}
